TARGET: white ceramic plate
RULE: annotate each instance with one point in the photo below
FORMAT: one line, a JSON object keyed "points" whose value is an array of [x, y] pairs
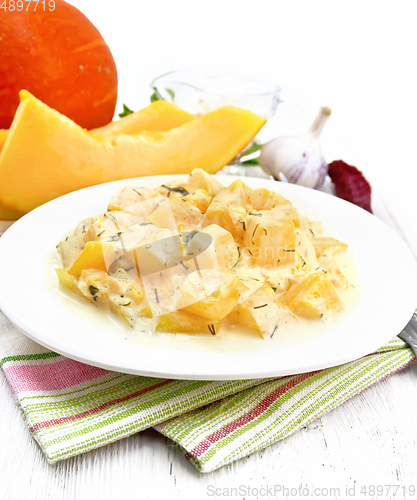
{"points": [[29, 296]]}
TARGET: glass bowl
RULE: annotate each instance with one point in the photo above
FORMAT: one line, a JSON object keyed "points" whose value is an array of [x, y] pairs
{"points": [[199, 93]]}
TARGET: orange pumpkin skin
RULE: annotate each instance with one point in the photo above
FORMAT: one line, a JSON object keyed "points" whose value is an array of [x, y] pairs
{"points": [[61, 57]]}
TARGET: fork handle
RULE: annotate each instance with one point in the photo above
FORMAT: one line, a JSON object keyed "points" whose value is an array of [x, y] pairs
{"points": [[409, 334]]}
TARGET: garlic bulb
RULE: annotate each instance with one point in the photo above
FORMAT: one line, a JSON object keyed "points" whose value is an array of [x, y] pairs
{"points": [[299, 158]]}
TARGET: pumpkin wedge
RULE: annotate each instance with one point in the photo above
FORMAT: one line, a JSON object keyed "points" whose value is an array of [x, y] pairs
{"points": [[48, 155], [3, 136], [7, 213], [159, 116]]}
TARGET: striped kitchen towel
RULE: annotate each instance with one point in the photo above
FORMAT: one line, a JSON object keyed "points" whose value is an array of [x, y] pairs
{"points": [[71, 408]]}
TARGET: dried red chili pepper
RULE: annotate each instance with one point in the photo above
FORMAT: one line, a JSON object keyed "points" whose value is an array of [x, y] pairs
{"points": [[350, 184]]}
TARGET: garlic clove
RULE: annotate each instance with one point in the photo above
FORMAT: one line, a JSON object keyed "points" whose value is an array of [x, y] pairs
{"points": [[299, 158]]}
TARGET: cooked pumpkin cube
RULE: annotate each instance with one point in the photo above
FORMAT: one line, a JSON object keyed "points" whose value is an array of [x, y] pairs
{"points": [[314, 228], [283, 277], [229, 217], [286, 213], [200, 199], [118, 288], [264, 199], [210, 294], [163, 288], [159, 253], [139, 210], [249, 286], [225, 252], [70, 248], [337, 278], [113, 223], [270, 241], [68, 281], [264, 313], [130, 195], [84, 225], [177, 186], [163, 217], [238, 193], [180, 322], [313, 297], [120, 292], [304, 247], [330, 246], [200, 179], [186, 215], [95, 255]]}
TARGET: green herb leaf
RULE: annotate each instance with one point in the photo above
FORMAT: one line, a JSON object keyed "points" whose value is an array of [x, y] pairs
{"points": [[177, 189], [248, 163], [171, 93], [253, 148], [212, 329], [93, 290], [253, 234], [249, 152], [238, 257], [115, 237], [126, 111], [156, 96]]}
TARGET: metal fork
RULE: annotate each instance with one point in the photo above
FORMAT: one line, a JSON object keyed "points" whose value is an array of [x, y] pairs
{"points": [[409, 334]]}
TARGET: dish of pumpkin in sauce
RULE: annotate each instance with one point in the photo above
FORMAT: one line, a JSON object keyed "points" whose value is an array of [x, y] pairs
{"points": [[192, 255]]}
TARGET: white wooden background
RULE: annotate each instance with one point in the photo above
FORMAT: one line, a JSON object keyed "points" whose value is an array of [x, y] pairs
{"points": [[359, 58]]}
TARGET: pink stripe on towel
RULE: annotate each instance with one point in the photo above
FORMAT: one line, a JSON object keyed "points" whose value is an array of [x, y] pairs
{"points": [[51, 376]]}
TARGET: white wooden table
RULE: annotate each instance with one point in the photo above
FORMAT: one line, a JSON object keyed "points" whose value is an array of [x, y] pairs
{"points": [[369, 441]]}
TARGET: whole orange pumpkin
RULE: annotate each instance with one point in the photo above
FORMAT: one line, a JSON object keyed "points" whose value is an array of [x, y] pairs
{"points": [[60, 57]]}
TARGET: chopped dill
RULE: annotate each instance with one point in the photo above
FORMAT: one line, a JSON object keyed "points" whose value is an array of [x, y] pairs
{"points": [[238, 257], [253, 234], [212, 329], [115, 237], [176, 189]]}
